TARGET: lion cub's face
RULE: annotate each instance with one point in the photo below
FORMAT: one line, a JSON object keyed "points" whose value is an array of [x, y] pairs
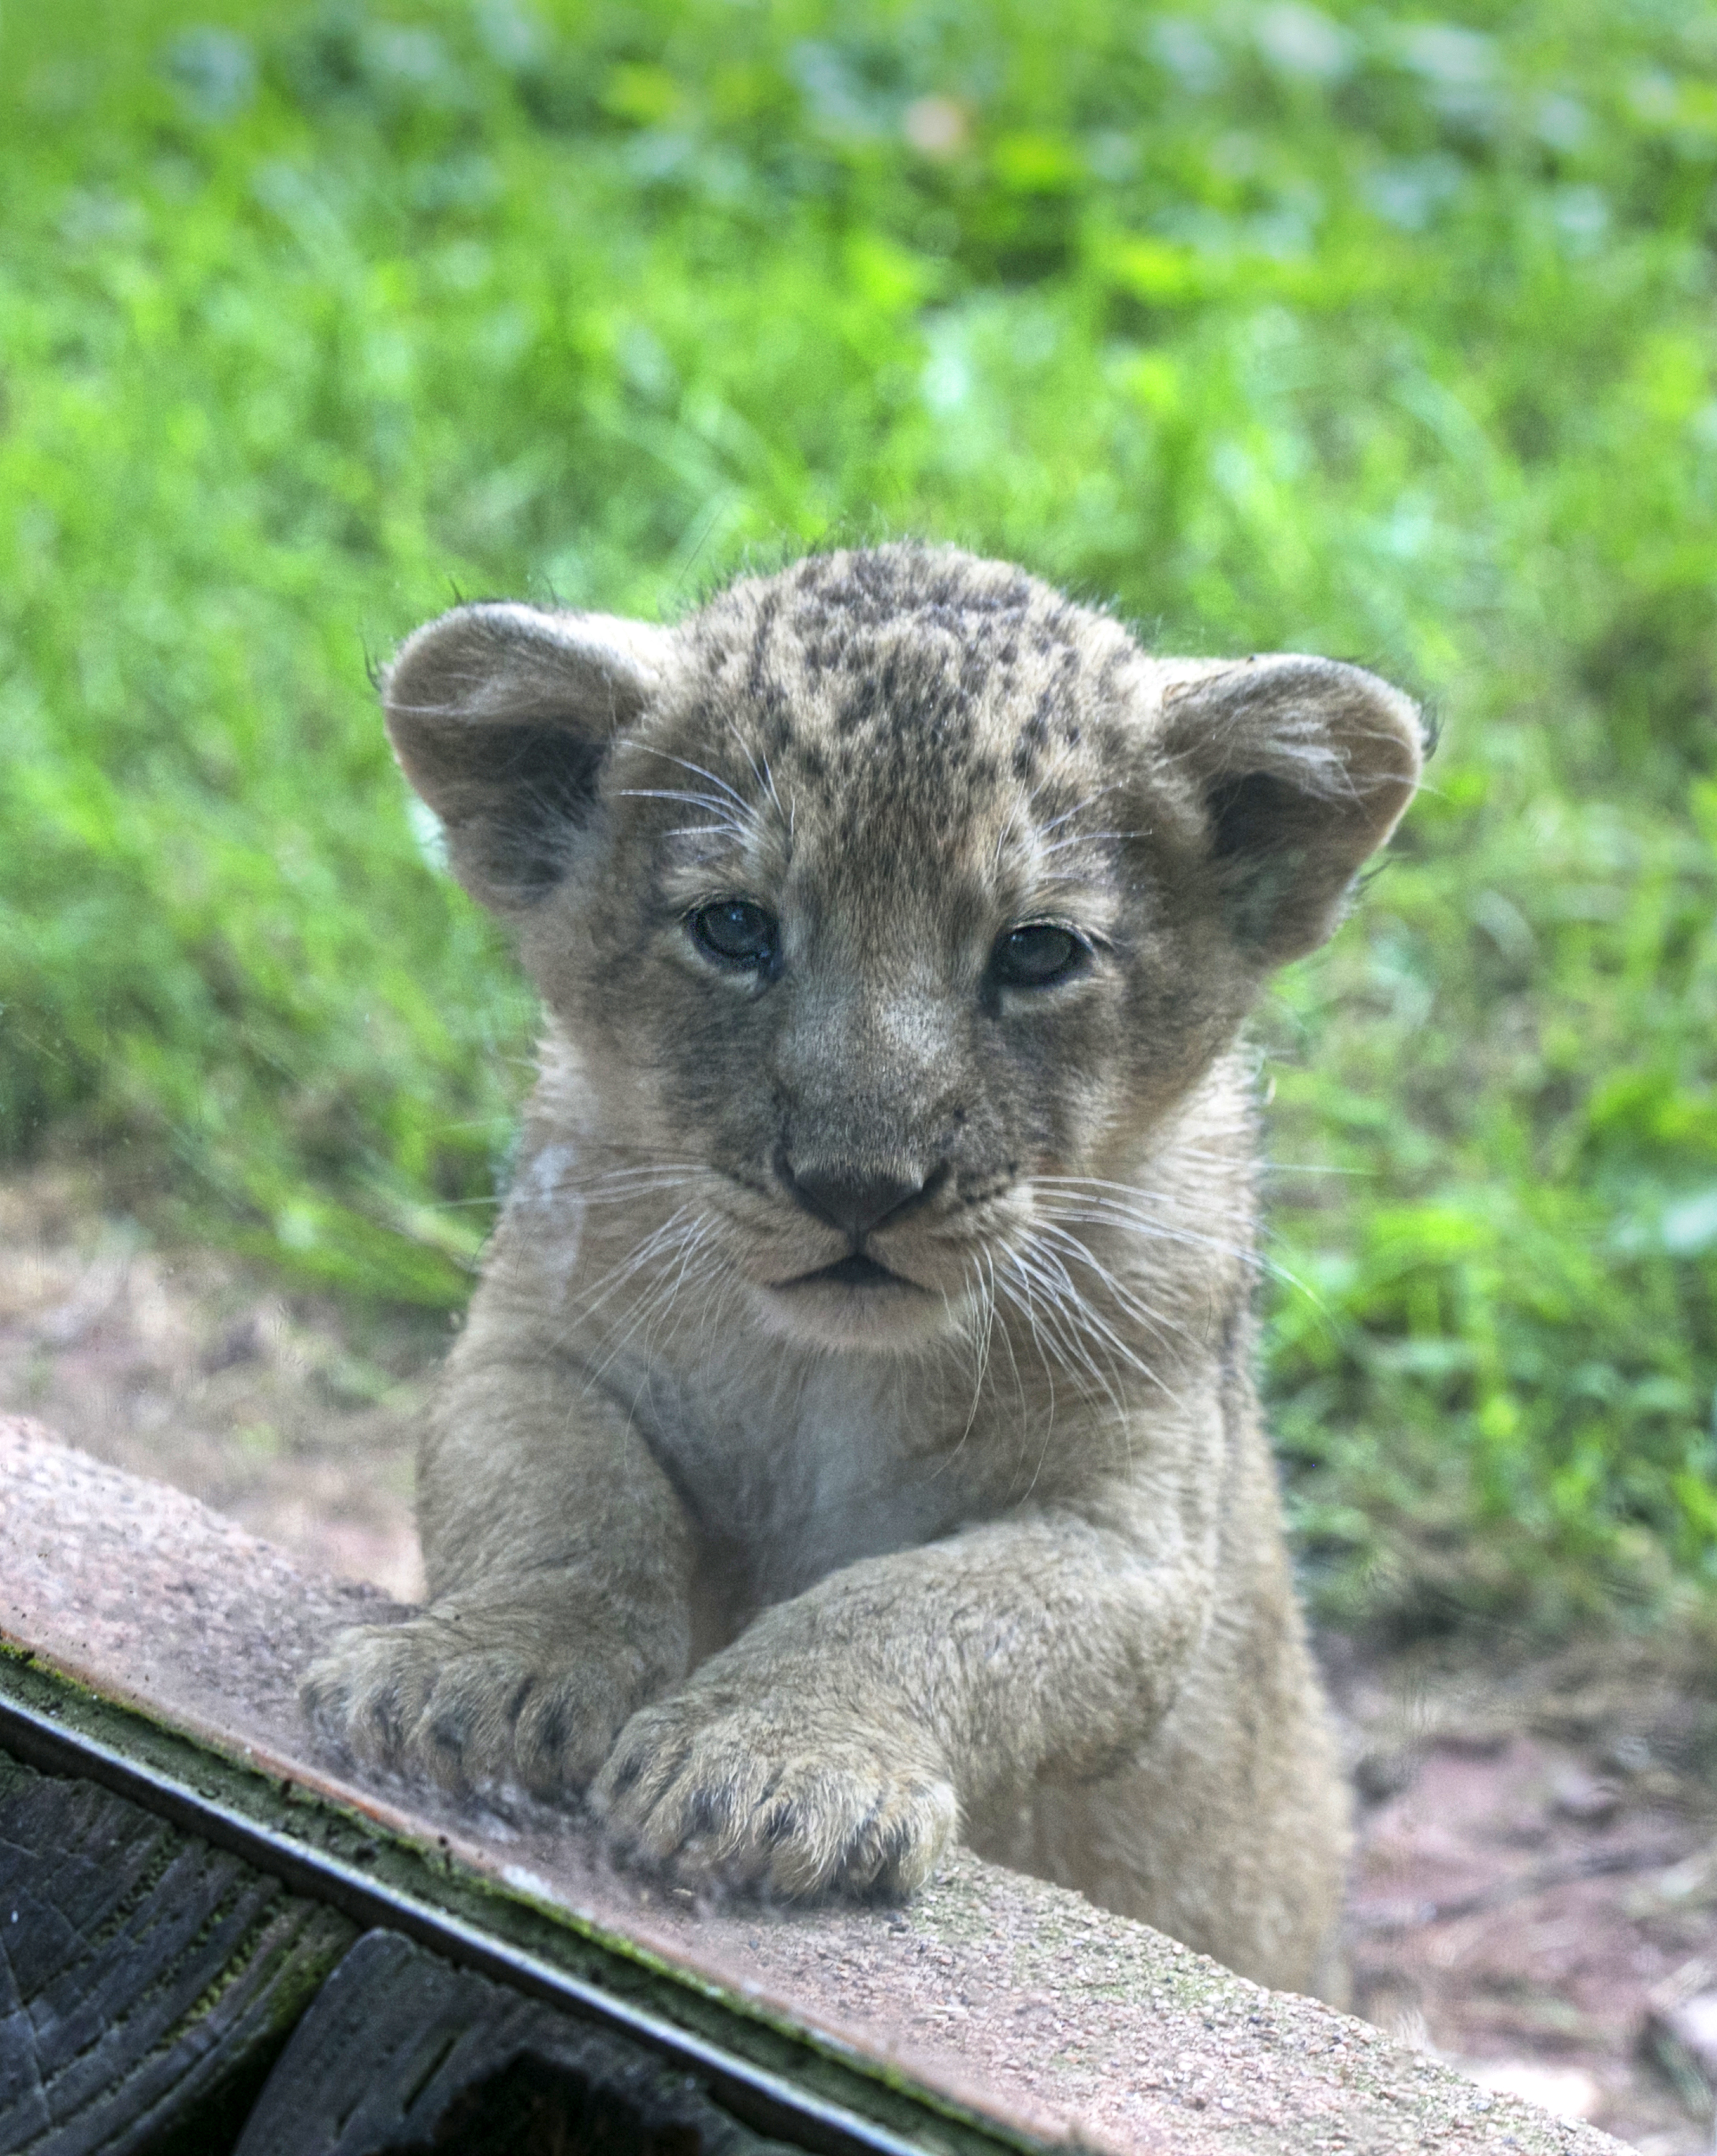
{"points": [[886, 902]]}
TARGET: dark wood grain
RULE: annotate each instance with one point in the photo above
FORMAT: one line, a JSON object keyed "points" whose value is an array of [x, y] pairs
{"points": [[401, 2051], [147, 1981]]}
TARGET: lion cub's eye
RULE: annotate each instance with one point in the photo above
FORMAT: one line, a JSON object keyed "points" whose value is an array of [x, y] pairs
{"points": [[1037, 955], [737, 934]]}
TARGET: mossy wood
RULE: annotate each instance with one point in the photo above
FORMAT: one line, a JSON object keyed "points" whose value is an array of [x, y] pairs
{"points": [[147, 1980], [259, 1953], [402, 2051], [151, 1980]]}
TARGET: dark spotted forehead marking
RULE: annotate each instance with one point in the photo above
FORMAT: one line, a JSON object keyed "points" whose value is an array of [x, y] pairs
{"points": [[766, 612], [907, 650], [826, 599], [763, 691], [1052, 711], [924, 694], [870, 590]]}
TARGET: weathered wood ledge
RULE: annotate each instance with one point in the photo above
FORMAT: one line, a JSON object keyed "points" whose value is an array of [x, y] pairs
{"points": [[147, 1621]]}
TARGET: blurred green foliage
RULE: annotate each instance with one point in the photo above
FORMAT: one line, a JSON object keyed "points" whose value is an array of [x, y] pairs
{"points": [[1355, 331]]}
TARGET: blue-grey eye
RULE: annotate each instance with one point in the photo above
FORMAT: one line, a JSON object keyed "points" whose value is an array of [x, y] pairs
{"points": [[737, 934], [1037, 955]]}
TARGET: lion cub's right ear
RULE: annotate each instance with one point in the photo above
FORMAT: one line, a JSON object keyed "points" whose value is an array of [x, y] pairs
{"points": [[501, 716]]}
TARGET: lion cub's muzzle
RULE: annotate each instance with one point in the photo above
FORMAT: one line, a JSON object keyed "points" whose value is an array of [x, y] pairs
{"points": [[858, 1199], [861, 1201]]}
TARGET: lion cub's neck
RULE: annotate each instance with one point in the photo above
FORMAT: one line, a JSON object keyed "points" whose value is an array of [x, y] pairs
{"points": [[795, 1459]]}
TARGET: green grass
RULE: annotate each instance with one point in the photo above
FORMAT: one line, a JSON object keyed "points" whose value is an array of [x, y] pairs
{"points": [[1359, 331]]}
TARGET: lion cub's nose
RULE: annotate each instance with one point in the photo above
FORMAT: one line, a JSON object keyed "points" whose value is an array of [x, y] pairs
{"points": [[851, 1200]]}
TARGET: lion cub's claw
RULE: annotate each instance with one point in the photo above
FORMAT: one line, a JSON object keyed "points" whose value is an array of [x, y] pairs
{"points": [[745, 1797], [416, 1696]]}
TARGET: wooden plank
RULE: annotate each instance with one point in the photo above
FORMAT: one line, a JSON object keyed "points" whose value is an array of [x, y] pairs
{"points": [[403, 2050], [147, 1981], [994, 2012], [328, 1857]]}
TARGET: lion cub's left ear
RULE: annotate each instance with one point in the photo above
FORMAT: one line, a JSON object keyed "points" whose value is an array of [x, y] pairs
{"points": [[502, 718], [1302, 767]]}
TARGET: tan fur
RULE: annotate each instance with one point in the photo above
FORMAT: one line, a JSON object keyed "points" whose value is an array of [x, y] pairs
{"points": [[799, 1577]]}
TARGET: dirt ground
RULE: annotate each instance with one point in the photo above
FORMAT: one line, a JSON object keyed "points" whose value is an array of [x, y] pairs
{"points": [[293, 1415], [1536, 1892]]}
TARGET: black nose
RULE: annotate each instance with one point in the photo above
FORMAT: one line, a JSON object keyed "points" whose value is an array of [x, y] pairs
{"points": [[851, 1201]]}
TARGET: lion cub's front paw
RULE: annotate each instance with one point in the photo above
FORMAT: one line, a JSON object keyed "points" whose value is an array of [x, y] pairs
{"points": [[472, 1700], [754, 1794]]}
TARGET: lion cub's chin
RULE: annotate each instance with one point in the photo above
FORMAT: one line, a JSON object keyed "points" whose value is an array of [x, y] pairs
{"points": [[885, 1315]]}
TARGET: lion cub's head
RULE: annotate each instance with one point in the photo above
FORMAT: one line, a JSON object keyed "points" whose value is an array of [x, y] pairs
{"points": [[883, 898]]}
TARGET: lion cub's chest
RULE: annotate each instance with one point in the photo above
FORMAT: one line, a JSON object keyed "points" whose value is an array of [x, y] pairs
{"points": [[796, 1481]]}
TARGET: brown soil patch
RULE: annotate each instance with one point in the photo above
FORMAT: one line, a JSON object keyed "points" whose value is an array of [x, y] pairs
{"points": [[1537, 1869], [291, 1413]]}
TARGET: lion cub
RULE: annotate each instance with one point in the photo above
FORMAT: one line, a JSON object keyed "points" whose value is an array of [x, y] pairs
{"points": [[853, 1442]]}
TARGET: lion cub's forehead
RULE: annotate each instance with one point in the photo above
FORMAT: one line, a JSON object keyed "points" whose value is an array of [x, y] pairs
{"points": [[922, 708]]}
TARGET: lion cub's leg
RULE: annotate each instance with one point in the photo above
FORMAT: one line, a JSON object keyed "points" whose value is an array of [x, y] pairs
{"points": [[836, 1743], [560, 1567], [1229, 1828]]}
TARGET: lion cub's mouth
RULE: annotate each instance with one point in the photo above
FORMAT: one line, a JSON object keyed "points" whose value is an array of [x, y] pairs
{"points": [[854, 1269]]}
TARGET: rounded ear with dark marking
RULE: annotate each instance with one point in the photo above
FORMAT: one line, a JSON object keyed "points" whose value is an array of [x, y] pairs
{"points": [[501, 716], [1303, 767]]}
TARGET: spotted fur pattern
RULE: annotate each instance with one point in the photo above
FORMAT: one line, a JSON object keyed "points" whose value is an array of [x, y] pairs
{"points": [[853, 1441]]}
